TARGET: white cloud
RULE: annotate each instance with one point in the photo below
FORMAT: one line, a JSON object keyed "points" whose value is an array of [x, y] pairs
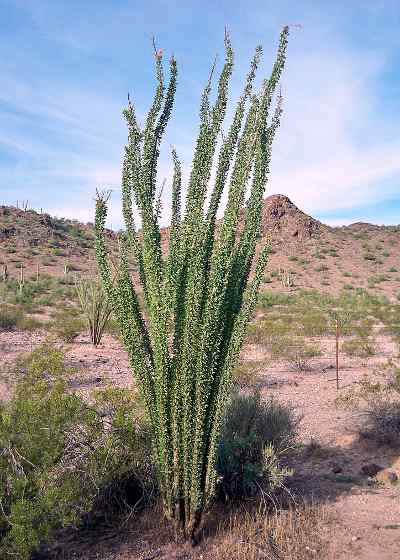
{"points": [[334, 149]]}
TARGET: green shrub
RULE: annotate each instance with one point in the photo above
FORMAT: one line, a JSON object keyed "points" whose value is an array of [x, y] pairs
{"points": [[360, 347], [267, 298], [12, 317], [245, 374], [61, 459], [313, 322], [295, 351], [9, 318], [379, 405], [66, 326], [377, 279], [255, 436]]}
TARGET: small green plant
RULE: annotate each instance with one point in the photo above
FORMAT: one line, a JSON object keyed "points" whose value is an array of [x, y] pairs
{"points": [[95, 306], [66, 326], [255, 436], [360, 347], [295, 351], [378, 403]]}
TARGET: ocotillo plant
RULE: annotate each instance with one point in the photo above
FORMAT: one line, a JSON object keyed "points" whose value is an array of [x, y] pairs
{"points": [[94, 305], [199, 297]]}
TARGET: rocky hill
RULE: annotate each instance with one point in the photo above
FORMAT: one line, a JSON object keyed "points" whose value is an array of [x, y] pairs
{"points": [[306, 253]]}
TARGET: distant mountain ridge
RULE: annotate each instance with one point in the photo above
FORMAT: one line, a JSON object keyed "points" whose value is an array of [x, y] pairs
{"points": [[314, 254]]}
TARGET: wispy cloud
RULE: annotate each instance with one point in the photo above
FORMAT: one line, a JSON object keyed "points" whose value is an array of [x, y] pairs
{"points": [[334, 149], [60, 102]]}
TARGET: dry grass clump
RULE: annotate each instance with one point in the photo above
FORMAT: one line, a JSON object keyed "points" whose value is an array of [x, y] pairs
{"points": [[246, 373], [378, 403], [294, 534]]}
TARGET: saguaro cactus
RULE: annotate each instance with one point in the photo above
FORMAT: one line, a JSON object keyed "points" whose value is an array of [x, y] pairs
{"points": [[198, 298]]}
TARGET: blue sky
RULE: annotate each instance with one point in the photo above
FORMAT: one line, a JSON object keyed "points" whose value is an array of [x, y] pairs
{"points": [[66, 68]]}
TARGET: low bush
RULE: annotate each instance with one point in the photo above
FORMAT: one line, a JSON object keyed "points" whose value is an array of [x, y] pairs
{"points": [[9, 318], [245, 373], [268, 298], [359, 347], [60, 458], [14, 318], [296, 351], [255, 437], [67, 326], [378, 403]]}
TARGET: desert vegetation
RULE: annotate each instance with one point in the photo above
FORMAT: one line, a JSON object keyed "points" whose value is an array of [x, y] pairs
{"points": [[164, 396]]}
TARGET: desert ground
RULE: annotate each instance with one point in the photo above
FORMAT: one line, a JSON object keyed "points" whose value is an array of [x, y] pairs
{"points": [[345, 484]]}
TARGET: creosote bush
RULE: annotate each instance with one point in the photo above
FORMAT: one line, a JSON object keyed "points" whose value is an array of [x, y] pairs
{"points": [[61, 459], [183, 342], [13, 317], [66, 325], [378, 402], [359, 347], [255, 437], [295, 351]]}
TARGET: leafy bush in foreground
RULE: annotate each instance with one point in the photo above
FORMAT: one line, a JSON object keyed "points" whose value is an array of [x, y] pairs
{"points": [[255, 436], [59, 458]]}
